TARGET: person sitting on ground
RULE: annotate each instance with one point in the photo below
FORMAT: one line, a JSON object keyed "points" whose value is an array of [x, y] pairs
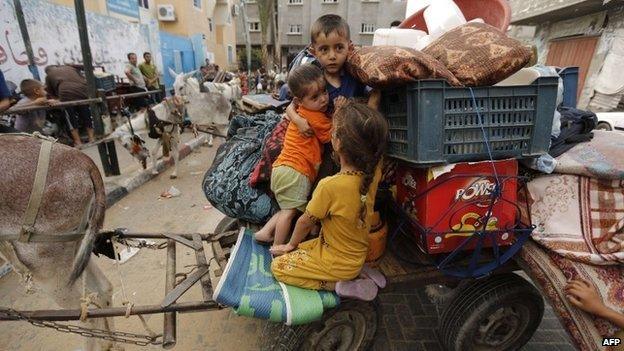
{"points": [[343, 204], [294, 171], [67, 84], [34, 95], [585, 296]]}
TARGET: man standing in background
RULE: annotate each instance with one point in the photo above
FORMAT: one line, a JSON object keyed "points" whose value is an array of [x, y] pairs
{"points": [[150, 74], [137, 81]]}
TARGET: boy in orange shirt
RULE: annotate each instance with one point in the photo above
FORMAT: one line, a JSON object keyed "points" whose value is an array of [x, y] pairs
{"points": [[296, 168]]}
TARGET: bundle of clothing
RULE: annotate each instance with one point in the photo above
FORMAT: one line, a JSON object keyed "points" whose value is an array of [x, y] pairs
{"points": [[226, 183]]}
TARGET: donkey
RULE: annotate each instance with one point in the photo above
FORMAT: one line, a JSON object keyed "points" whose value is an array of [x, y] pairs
{"points": [[72, 198], [211, 109]]}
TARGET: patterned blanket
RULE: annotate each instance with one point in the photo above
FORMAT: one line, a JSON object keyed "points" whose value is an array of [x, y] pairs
{"points": [[579, 217], [248, 286], [551, 272], [598, 158]]}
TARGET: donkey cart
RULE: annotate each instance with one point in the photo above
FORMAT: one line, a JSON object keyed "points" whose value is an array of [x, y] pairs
{"points": [[498, 312]]}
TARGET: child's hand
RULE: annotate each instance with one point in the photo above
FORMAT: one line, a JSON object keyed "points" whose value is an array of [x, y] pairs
{"points": [[584, 296], [339, 102], [278, 250], [374, 99], [53, 102], [302, 124], [40, 101]]}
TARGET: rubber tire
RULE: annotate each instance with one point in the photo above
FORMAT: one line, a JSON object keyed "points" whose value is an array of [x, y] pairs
{"points": [[281, 337], [480, 299], [227, 224], [604, 126]]}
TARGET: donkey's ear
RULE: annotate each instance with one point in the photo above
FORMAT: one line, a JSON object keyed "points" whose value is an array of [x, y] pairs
{"points": [[172, 72]]}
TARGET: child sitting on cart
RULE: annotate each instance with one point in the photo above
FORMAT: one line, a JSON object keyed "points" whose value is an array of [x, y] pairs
{"points": [[342, 203], [295, 169]]}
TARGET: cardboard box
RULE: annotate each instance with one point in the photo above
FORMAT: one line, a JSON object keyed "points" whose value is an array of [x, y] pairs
{"points": [[452, 202]]}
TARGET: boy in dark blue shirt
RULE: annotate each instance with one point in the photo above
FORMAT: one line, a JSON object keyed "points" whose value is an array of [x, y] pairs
{"points": [[331, 44]]}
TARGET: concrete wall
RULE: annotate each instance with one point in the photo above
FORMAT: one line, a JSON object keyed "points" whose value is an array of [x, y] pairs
{"points": [[251, 10], [604, 24], [55, 40], [225, 35]]}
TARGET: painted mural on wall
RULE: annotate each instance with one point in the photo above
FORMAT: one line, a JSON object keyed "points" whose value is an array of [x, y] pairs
{"points": [[55, 40]]}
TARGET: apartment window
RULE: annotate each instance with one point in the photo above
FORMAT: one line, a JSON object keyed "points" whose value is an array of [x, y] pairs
{"points": [[230, 54], [295, 2], [367, 28], [294, 29], [250, 1], [330, 1], [144, 4], [197, 3], [254, 26]]}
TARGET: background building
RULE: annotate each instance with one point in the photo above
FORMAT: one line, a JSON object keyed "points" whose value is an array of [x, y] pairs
{"points": [[252, 14], [180, 34], [295, 18], [584, 33]]}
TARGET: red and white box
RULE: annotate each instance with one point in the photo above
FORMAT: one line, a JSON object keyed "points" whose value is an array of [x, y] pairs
{"points": [[451, 202]]}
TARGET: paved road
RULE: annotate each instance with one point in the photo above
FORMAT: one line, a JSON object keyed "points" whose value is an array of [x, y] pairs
{"points": [[410, 322]]}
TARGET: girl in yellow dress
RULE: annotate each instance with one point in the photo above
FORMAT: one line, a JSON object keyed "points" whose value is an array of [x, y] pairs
{"points": [[342, 203]]}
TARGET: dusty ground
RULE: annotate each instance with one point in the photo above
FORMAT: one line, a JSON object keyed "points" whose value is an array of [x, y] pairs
{"points": [[145, 272]]}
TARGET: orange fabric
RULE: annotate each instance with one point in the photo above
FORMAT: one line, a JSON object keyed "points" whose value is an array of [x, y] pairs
{"points": [[301, 153]]}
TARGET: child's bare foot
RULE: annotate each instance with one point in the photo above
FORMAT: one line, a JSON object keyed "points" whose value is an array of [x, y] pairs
{"points": [[263, 237]]}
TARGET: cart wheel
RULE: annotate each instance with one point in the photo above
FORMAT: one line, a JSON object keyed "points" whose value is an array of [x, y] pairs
{"points": [[498, 313], [349, 327], [228, 224], [442, 294]]}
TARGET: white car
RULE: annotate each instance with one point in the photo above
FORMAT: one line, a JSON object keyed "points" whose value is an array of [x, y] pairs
{"points": [[610, 121]]}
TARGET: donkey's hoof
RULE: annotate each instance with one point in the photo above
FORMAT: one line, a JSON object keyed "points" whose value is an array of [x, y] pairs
{"points": [[154, 172], [173, 176]]}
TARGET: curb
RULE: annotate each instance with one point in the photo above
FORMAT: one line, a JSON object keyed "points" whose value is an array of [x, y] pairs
{"points": [[118, 192]]}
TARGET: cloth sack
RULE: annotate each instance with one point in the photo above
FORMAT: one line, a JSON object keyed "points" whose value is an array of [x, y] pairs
{"points": [[479, 54], [226, 183], [261, 175], [386, 66]]}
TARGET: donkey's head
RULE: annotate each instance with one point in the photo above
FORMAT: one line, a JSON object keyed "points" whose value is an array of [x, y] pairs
{"points": [[184, 85]]}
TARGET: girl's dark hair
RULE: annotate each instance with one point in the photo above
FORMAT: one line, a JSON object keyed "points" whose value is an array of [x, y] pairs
{"points": [[301, 77], [363, 135]]}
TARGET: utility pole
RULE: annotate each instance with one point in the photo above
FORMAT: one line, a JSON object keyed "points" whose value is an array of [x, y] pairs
{"points": [[108, 154], [19, 13], [247, 38]]}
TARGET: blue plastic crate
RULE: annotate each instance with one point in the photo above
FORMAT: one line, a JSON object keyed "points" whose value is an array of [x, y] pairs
{"points": [[569, 75], [105, 83], [431, 122]]}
